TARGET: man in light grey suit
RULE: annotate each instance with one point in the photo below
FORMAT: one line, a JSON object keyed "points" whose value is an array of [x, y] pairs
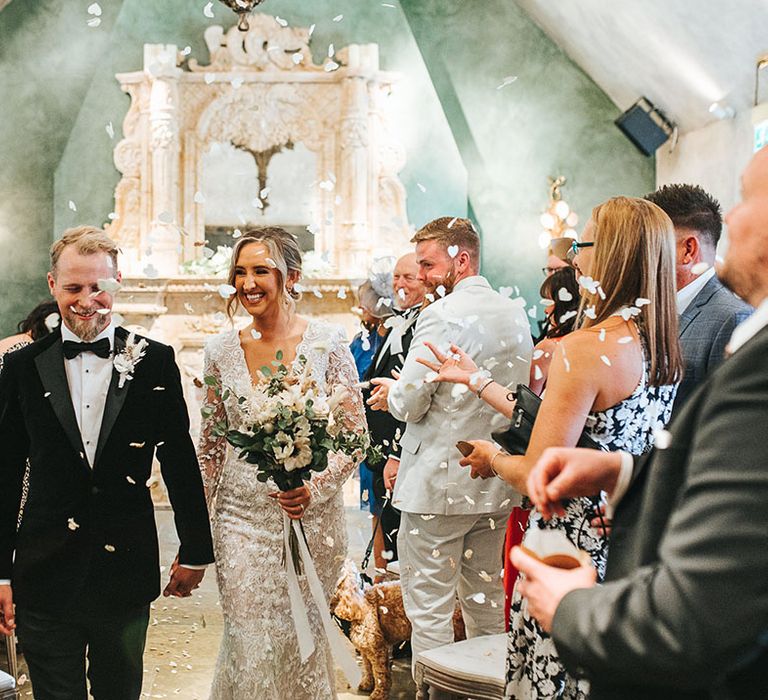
{"points": [[452, 530], [708, 311]]}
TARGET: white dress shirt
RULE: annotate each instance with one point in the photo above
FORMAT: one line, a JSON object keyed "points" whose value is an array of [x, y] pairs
{"points": [[88, 376], [688, 293], [744, 332]]}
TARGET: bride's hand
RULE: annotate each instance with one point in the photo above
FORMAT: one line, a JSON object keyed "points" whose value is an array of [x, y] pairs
{"points": [[293, 502], [457, 368]]}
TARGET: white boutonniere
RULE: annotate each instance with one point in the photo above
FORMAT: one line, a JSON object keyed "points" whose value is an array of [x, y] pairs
{"points": [[125, 362]]}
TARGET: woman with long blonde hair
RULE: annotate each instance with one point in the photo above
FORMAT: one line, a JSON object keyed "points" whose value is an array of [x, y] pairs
{"points": [[615, 376], [259, 655]]}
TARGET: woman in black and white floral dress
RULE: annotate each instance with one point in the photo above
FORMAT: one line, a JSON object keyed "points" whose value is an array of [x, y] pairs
{"points": [[616, 376]]}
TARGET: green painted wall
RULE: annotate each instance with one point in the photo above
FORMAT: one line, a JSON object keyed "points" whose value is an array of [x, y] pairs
{"points": [[465, 139], [552, 120]]}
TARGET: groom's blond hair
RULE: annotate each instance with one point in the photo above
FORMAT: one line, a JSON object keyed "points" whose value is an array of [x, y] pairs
{"points": [[87, 240]]}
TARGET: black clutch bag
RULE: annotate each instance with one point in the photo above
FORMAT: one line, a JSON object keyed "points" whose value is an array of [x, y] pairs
{"points": [[516, 437]]}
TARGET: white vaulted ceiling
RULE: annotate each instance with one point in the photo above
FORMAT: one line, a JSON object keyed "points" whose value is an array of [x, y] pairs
{"points": [[683, 55]]}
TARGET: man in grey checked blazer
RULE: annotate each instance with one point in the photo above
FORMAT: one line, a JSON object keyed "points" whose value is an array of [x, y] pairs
{"points": [[708, 311]]}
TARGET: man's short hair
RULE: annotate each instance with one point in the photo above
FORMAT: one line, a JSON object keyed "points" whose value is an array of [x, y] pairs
{"points": [[86, 240], [692, 207], [451, 231]]}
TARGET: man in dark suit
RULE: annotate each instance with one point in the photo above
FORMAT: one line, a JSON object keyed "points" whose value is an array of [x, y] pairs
{"points": [[683, 612], [90, 405], [386, 430], [708, 311]]}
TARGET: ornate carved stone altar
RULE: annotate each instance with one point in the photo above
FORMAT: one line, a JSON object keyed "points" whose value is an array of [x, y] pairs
{"points": [[261, 90], [262, 95]]}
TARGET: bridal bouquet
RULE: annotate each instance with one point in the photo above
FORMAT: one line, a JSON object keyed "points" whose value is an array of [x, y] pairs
{"points": [[289, 425]]}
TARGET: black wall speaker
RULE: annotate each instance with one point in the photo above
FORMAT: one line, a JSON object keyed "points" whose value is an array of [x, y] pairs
{"points": [[645, 126]]}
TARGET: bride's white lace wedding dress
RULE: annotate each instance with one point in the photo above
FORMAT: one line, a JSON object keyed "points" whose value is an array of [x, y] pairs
{"points": [[259, 657]]}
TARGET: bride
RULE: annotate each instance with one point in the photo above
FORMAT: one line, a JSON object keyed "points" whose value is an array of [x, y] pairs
{"points": [[259, 655]]}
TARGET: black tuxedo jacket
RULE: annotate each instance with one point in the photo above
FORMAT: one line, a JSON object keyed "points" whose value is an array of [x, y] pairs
{"points": [[684, 610], [382, 426], [88, 538]]}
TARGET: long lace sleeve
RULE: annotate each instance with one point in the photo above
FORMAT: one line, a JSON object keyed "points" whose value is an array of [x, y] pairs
{"points": [[341, 371], [212, 447]]}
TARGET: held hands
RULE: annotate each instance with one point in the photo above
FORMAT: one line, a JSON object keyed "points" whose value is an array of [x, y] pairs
{"points": [[545, 586], [293, 502], [183, 580], [458, 368], [479, 460], [7, 618], [567, 472]]}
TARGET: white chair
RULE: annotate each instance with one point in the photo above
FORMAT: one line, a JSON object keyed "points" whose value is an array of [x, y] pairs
{"points": [[473, 669]]}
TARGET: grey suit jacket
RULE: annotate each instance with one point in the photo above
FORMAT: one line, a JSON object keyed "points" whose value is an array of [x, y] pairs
{"points": [[495, 332], [705, 329], [684, 609]]}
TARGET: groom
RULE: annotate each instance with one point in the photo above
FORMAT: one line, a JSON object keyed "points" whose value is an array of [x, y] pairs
{"points": [[90, 409]]}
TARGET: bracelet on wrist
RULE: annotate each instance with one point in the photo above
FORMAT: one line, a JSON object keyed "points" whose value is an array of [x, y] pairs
{"points": [[484, 387], [493, 459]]}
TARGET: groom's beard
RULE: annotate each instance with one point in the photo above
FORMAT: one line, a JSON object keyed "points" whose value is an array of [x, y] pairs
{"points": [[86, 328]]}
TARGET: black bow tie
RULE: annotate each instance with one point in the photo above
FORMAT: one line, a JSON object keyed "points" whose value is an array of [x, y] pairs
{"points": [[73, 349]]}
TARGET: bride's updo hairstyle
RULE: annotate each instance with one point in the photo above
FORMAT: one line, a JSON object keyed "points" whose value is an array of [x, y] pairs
{"points": [[634, 259], [283, 250]]}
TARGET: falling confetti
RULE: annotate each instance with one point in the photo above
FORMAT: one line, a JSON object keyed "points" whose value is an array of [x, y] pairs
{"points": [[662, 439], [110, 285], [256, 335], [421, 187], [208, 10], [605, 360], [110, 548], [72, 525], [453, 250], [52, 321], [110, 130], [72, 205], [506, 81], [338, 18], [226, 290], [699, 268], [564, 295]]}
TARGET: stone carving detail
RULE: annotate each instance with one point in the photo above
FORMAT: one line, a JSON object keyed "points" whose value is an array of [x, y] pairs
{"points": [[260, 91], [267, 45]]}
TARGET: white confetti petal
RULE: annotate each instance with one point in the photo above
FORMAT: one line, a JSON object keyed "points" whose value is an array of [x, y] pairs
{"points": [[564, 295], [256, 335], [435, 553], [478, 598], [72, 205], [662, 439], [110, 285], [72, 525], [94, 22], [208, 10], [338, 18], [52, 321], [110, 130], [453, 250], [468, 554], [699, 268], [226, 291], [110, 548], [94, 9], [605, 359], [508, 80]]}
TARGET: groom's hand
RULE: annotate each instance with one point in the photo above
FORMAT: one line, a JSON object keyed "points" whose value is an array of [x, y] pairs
{"points": [[183, 580], [7, 619]]}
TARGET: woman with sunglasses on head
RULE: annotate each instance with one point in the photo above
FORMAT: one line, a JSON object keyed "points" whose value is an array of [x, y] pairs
{"points": [[615, 376]]}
